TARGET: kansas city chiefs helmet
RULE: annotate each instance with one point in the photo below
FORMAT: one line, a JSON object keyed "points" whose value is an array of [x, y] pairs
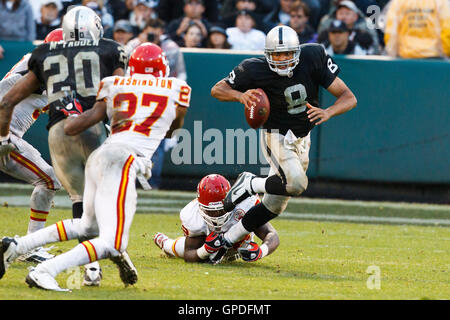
{"points": [[148, 58], [54, 36], [211, 191]]}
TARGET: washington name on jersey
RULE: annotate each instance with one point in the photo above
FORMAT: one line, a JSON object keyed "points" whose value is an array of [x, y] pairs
{"points": [[141, 108], [288, 95], [75, 68]]}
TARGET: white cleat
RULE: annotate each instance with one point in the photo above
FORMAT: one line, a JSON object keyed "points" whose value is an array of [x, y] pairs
{"points": [[241, 190], [92, 274], [37, 255], [7, 254], [127, 270], [159, 239], [43, 280]]}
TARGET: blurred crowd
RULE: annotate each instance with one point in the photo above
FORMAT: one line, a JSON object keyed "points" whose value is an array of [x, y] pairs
{"points": [[399, 28]]}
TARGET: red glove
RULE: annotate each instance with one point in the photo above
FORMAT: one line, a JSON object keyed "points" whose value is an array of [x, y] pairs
{"points": [[214, 242], [250, 251], [72, 108]]}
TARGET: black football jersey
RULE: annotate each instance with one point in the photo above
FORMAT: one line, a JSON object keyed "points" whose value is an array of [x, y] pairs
{"points": [[288, 96], [75, 68]]}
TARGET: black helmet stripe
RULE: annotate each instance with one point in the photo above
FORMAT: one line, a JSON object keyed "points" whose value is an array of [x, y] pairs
{"points": [[77, 15], [280, 36]]}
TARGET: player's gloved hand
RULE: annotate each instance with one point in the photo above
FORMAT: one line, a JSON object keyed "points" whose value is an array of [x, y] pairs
{"points": [[213, 242], [72, 108], [144, 167], [69, 105], [169, 143], [250, 251], [6, 147]]}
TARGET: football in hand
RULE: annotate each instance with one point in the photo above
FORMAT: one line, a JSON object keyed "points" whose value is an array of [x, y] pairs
{"points": [[256, 115]]}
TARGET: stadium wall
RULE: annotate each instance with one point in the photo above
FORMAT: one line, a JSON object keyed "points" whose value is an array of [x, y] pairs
{"points": [[398, 133]]}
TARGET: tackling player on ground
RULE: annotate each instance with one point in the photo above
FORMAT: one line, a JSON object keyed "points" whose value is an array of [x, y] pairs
{"points": [[70, 71], [143, 108], [21, 160], [290, 74], [205, 217]]}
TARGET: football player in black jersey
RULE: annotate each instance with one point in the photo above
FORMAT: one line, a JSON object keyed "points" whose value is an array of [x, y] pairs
{"points": [[70, 71], [290, 74]]}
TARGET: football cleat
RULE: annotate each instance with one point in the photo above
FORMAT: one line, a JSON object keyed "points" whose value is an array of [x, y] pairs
{"points": [[92, 274], [43, 280], [7, 254], [127, 270], [37, 255], [159, 239], [241, 190]]}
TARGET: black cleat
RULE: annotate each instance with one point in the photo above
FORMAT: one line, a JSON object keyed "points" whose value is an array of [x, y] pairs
{"points": [[240, 191]]}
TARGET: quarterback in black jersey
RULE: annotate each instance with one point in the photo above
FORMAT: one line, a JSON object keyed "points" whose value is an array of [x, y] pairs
{"points": [[290, 74], [70, 71]]}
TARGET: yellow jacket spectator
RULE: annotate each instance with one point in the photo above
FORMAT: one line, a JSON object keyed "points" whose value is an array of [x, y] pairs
{"points": [[418, 28]]}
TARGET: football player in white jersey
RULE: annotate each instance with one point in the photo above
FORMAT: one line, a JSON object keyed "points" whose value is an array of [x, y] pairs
{"points": [[205, 216], [143, 108], [25, 162]]}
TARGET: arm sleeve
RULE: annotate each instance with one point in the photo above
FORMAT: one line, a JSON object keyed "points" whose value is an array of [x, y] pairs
{"points": [[103, 88], [327, 69], [239, 79], [33, 64], [120, 58], [182, 94]]}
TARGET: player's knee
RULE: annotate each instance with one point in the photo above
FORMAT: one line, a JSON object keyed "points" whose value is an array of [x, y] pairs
{"points": [[297, 184], [275, 204]]}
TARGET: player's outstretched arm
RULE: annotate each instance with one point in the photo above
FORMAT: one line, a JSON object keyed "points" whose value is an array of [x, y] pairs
{"points": [[21, 89], [77, 124], [191, 245], [345, 101], [223, 92], [269, 236]]}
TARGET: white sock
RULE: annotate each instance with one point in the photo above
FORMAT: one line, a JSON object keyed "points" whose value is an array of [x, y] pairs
{"points": [[259, 185], [175, 247], [84, 253], [236, 232], [60, 231], [40, 203]]}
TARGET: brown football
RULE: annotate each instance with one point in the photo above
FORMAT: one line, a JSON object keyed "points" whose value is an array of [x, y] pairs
{"points": [[258, 114]]}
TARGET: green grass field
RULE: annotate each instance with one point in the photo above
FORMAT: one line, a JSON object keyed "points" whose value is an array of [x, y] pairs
{"points": [[315, 260]]}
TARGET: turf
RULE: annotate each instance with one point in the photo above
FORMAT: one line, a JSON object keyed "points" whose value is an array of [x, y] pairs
{"points": [[315, 260]]}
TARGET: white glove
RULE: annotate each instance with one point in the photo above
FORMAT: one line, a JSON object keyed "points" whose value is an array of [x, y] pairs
{"points": [[6, 147], [169, 143], [144, 167]]}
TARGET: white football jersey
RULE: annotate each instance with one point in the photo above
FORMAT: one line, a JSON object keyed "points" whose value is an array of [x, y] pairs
{"points": [[141, 108], [193, 224], [27, 111]]}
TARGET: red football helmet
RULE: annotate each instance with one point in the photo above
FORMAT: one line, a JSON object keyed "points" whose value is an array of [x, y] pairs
{"points": [[54, 36], [148, 58], [211, 192]]}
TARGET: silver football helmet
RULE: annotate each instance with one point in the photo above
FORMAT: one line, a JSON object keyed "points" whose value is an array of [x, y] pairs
{"points": [[282, 39], [82, 23]]}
